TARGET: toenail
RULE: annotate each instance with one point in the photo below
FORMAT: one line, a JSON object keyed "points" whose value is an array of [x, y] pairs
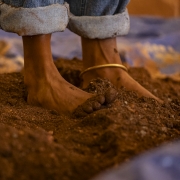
{"points": [[96, 105]]}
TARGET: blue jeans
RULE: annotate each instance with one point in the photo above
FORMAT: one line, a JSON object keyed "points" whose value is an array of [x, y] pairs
{"points": [[88, 18]]}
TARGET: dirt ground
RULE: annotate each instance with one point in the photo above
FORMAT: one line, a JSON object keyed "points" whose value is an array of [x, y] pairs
{"points": [[41, 144]]}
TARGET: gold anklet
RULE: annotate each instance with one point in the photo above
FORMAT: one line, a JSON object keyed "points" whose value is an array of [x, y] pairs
{"points": [[103, 66]]}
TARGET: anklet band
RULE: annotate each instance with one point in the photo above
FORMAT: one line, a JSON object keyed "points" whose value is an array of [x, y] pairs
{"points": [[103, 66]]}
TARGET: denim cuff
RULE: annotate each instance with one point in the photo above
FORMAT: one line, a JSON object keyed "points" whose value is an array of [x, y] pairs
{"points": [[100, 27], [34, 21]]}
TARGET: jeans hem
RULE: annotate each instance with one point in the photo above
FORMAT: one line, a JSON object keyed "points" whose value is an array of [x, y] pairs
{"points": [[100, 27], [34, 21]]}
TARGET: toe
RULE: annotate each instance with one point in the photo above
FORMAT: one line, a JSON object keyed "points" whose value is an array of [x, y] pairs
{"points": [[101, 99], [96, 105], [110, 95], [79, 113], [87, 107]]}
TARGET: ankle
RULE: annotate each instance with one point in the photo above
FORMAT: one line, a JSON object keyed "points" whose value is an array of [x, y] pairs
{"points": [[98, 52], [114, 75]]}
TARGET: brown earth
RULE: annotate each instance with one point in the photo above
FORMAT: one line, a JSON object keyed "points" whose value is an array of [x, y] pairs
{"points": [[41, 144]]}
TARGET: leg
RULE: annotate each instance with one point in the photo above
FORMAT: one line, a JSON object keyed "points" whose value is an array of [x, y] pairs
{"points": [[98, 52], [45, 85], [99, 42]]}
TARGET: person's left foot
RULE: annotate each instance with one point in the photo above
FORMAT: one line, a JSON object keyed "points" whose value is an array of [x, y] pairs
{"points": [[98, 52]]}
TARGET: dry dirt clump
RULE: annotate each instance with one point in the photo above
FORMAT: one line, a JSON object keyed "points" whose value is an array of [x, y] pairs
{"points": [[37, 143]]}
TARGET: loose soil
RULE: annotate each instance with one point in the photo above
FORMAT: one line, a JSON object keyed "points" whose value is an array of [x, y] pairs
{"points": [[36, 143]]}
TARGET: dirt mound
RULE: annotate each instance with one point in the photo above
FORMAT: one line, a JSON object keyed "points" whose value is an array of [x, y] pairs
{"points": [[41, 144]]}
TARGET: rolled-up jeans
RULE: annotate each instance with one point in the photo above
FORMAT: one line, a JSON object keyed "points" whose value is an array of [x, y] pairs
{"points": [[88, 18]]}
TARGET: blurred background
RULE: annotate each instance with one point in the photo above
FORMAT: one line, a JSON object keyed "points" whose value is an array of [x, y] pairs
{"points": [[165, 8], [152, 42]]}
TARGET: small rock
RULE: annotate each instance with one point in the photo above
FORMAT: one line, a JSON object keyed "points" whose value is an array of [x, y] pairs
{"points": [[164, 129], [169, 99], [130, 109], [143, 133]]}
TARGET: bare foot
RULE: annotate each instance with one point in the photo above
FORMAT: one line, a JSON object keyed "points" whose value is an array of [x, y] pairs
{"points": [[96, 103], [98, 52], [46, 87], [56, 94]]}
